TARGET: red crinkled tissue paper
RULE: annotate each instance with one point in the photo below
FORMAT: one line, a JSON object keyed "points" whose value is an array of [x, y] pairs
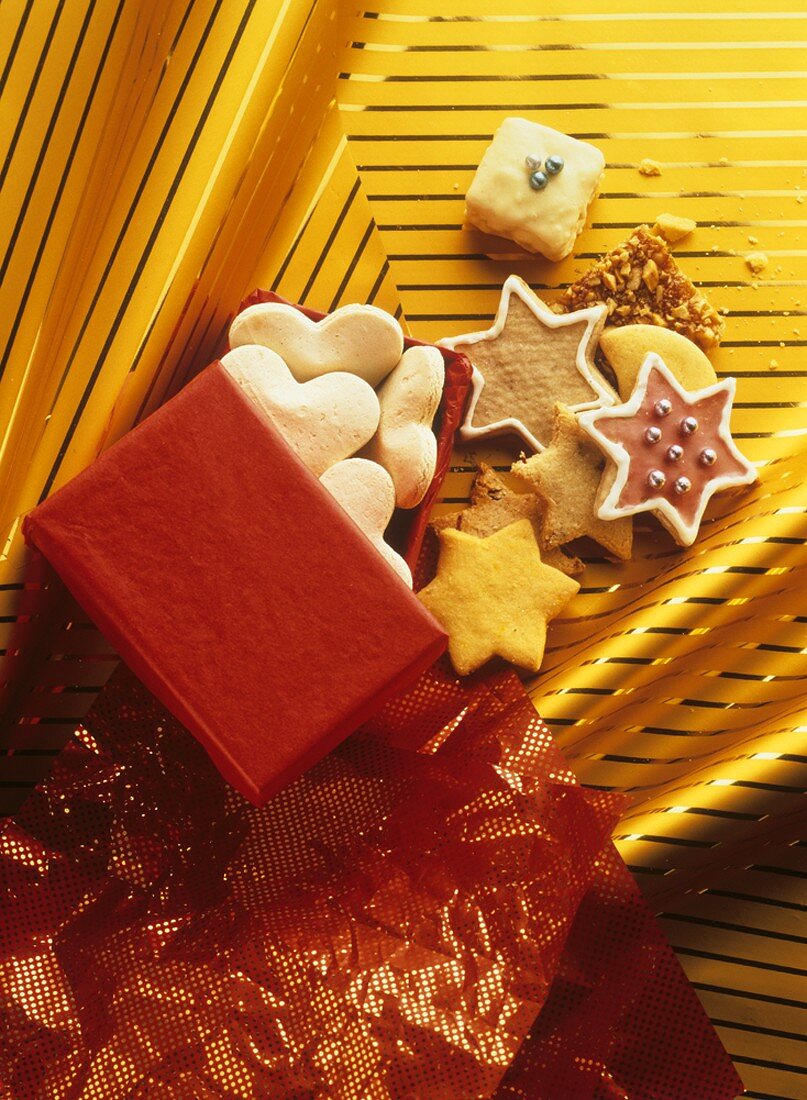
{"points": [[432, 912]]}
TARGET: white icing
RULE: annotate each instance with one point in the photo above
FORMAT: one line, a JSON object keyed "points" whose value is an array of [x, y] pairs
{"points": [[501, 201]]}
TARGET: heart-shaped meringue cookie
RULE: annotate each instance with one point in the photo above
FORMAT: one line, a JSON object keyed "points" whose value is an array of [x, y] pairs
{"points": [[405, 444], [365, 491], [324, 420], [362, 340]]}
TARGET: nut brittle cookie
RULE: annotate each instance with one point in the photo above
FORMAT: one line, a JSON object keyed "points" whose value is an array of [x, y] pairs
{"points": [[494, 597], [671, 450], [494, 506], [528, 359], [566, 478], [640, 283]]}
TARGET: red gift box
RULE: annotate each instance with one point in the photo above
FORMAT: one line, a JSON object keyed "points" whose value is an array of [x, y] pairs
{"points": [[235, 587]]}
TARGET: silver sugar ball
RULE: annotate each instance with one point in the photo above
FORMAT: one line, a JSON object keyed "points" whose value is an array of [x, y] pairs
{"points": [[682, 485], [538, 181], [689, 425], [708, 457], [652, 434], [554, 164], [533, 163], [674, 453], [663, 407], [656, 479]]}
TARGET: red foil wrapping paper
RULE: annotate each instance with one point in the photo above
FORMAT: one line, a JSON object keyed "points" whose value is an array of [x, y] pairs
{"points": [[446, 923]]}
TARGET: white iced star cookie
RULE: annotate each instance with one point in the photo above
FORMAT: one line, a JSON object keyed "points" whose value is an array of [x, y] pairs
{"points": [[671, 450], [534, 186], [526, 361]]}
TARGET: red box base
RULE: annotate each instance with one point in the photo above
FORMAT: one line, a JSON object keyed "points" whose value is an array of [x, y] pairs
{"points": [[234, 587]]}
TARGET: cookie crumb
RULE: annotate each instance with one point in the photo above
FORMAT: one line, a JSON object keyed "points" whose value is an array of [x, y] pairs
{"points": [[723, 162], [673, 228], [756, 262], [774, 364], [752, 239], [649, 167]]}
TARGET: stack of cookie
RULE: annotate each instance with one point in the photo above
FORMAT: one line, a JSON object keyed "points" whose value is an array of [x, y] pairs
{"points": [[355, 407], [621, 412]]}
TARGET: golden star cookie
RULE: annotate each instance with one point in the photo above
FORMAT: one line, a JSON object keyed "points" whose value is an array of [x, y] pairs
{"points": [[494, 597], [626, 348], [494, 506], [566, 477], [671, 450], [528, 359]]}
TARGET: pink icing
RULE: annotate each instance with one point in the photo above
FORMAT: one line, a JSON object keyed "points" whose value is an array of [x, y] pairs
{"points": [[645, 457]]}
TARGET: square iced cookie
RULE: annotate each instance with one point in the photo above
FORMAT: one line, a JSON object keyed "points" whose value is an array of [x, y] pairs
{"points": [[534, 186]]}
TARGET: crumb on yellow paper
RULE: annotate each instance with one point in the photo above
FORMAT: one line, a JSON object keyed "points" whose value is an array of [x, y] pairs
{"points": [[674, 228], [648, 167], [756, 262]]}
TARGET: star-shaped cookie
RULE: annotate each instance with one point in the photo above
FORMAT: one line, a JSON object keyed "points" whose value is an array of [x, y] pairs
{"points": [[530, 358], [566, 477], [494, 505], [494, 597], [671, 448]]}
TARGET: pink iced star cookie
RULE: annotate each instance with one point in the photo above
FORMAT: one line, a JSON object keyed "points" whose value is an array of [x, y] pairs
{"points": [[671, 448]]}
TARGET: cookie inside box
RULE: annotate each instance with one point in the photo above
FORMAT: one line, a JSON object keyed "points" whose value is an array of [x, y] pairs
{"points": [[408, 526]]}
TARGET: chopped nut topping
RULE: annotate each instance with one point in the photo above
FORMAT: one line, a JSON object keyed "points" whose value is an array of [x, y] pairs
{"points": [[650, 275], [642, 276]]}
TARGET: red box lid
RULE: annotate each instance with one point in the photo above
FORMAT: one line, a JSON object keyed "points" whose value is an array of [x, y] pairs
{"points": [[234, 586]]}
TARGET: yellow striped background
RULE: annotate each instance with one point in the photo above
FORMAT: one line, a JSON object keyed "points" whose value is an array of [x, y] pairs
{"points": [[161, 160]]}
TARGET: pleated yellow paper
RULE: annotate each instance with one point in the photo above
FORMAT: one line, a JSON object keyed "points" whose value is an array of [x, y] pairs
{"points": [[169, 157]]}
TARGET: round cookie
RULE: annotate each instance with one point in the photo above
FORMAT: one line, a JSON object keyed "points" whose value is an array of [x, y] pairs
{"points": [[626, 347]]}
